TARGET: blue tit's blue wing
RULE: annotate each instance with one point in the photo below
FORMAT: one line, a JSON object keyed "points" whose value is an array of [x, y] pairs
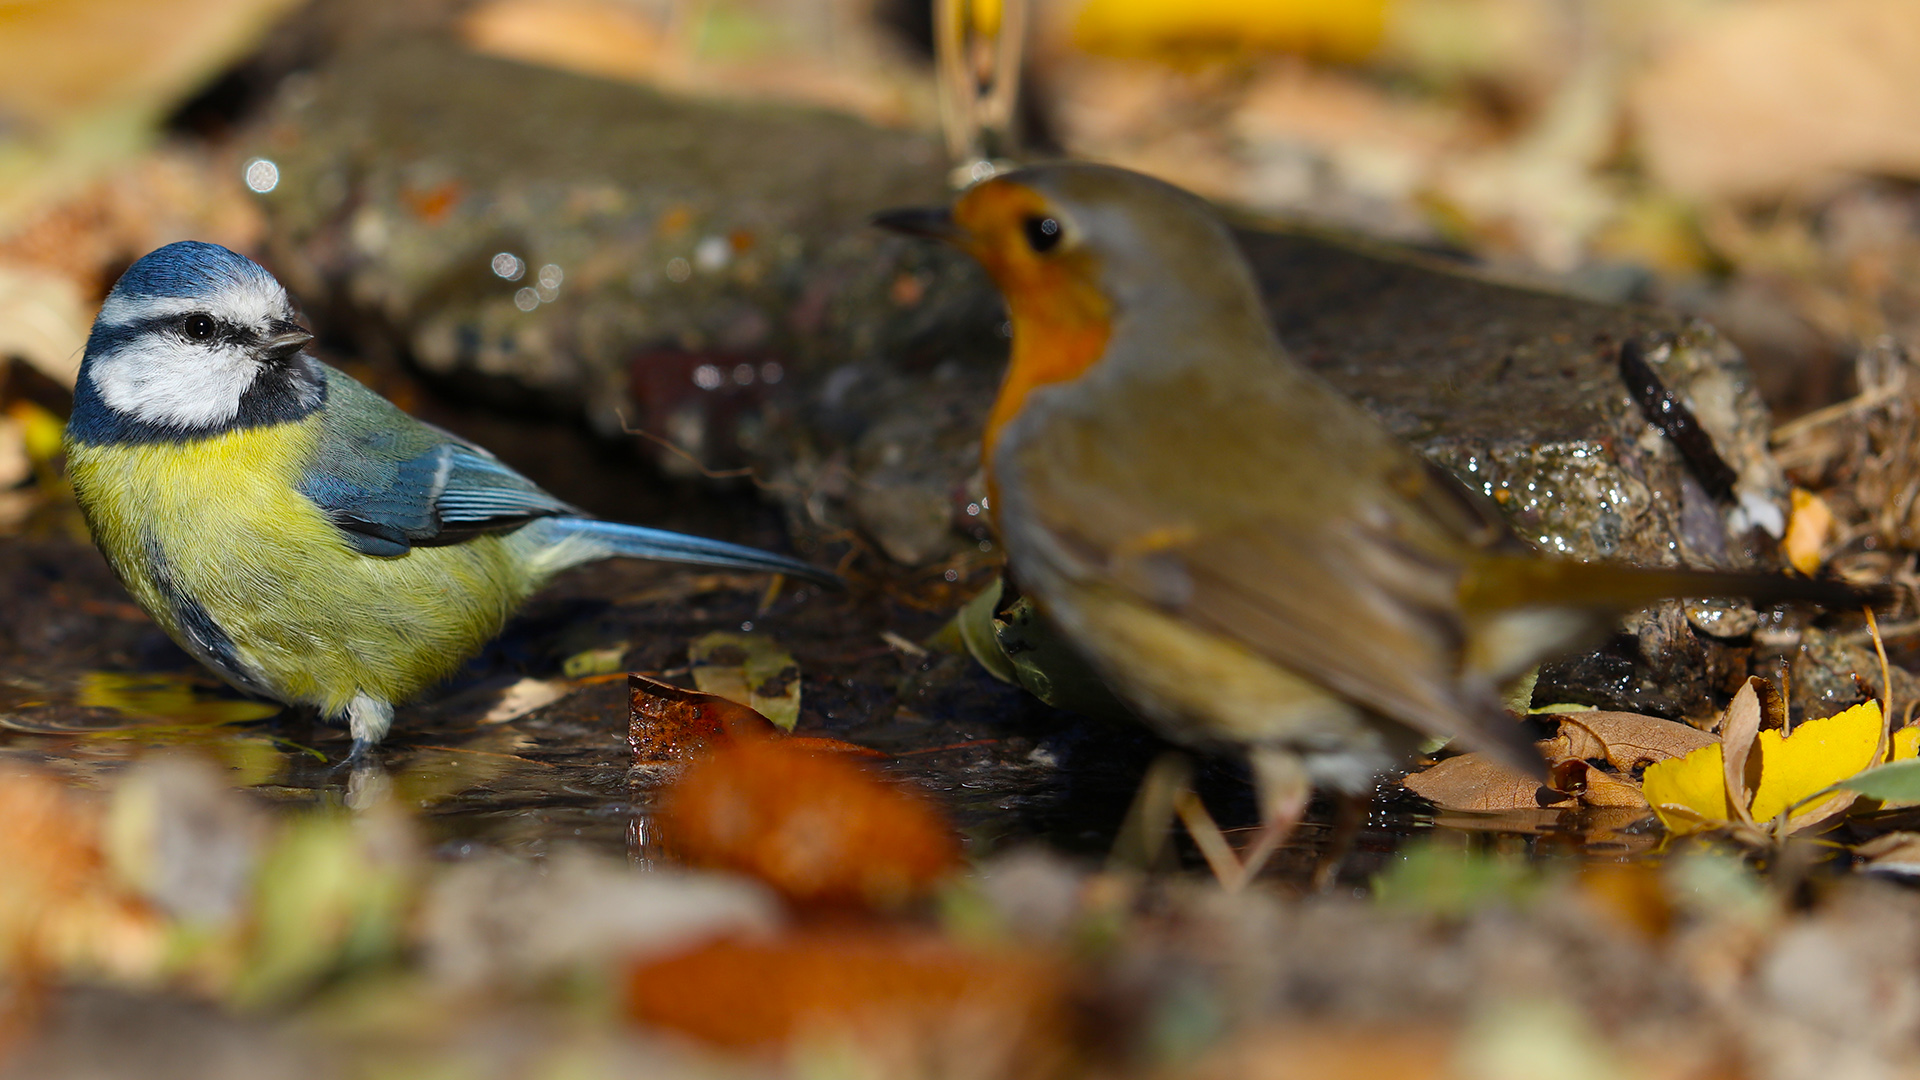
{"points": [[390, 482]]}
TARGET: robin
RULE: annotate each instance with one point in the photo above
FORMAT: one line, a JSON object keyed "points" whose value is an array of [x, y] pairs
{"points": [[1246, 556]]}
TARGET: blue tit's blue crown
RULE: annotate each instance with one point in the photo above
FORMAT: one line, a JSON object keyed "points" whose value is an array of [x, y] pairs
{"points": [[191, 269]]}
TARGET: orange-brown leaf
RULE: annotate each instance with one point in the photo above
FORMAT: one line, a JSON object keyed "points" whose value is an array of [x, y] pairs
{"points": [[817, 827], [892, 991], [666, 723]]}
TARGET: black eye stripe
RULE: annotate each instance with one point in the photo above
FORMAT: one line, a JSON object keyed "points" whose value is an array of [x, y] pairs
{"points": [[1043, 233]]}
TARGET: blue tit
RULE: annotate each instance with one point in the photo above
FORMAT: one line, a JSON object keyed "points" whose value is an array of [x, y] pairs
{"points": [[292, 529]]}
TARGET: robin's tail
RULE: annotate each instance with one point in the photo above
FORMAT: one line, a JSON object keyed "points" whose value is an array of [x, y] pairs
{"points": [[1523, 609], [1507, 582]]}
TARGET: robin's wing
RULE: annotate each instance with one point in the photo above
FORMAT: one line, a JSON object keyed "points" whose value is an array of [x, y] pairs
{"points": [[390, 482], [1276, 515]]}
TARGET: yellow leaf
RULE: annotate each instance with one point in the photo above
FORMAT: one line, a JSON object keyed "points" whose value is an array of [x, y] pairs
{"points": [[1818, 754], [1694, 783], [1906, 743]]}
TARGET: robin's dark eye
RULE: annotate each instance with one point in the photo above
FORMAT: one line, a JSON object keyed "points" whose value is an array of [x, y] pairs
{"points": [[1043, 233], [198, 327]]}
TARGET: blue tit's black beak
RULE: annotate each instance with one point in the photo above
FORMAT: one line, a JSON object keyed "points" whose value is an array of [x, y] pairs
{"points": [[934, 223], [284, 339]]}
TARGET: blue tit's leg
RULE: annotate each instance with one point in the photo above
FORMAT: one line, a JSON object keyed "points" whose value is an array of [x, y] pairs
{"points": [[368, 719]]}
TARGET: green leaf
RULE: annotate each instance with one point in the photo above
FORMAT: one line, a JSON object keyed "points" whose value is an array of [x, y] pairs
{"points": [[1900, 780], [751, 669]]}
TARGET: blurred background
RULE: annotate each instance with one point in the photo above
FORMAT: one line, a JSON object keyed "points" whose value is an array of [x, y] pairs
{"points": [[1749, 161]]}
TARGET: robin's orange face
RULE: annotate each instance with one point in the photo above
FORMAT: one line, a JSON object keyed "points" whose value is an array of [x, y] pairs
{"points": [[1061, 319]]}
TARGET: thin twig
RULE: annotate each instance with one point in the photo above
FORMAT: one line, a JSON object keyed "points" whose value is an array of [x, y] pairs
{"points": [[1858, 403], [1886, 689]]}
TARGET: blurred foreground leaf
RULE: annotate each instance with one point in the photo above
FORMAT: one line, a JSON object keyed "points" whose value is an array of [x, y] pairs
{"points": [[815, 826], [1446, 879], [918, 1003]]}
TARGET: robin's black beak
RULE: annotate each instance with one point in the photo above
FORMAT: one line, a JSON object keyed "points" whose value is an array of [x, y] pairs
{"points": [[284, 339], [935, 223]]}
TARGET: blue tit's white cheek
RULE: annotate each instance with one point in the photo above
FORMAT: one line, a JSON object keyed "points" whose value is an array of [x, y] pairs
{"points": [[163, 380]]}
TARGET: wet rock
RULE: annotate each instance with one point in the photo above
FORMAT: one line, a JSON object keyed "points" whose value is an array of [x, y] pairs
{"points": [[703, 271]]}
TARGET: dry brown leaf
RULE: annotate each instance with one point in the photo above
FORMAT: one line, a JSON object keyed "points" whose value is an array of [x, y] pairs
{"points": [[1626, 741], [1596, 787], [666, 723], [1737, 732], [1896, 853], [1474, 783]]}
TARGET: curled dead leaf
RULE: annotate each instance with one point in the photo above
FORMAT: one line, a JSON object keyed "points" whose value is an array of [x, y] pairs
{"points": [[1627, 741], [1595, 787], [666, 723]]}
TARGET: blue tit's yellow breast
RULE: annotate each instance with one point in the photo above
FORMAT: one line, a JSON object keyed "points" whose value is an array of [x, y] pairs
{"points": [[311, 620]]}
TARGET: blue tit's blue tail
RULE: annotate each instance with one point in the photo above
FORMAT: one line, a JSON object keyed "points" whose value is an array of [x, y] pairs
{"points": [[569, 541]]}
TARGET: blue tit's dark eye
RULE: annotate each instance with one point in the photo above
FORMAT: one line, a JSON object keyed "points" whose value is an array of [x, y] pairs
{"points": [[199, 327], [1043, 233]]}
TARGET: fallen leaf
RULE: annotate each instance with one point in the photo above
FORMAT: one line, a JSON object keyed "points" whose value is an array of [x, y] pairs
{"points": [[817, 827], [600, 661], [1818, 754], [526, 696], [1701, 791], [1471, 782], [1896, 854], [1688, 793], [997, 1012], [666, 723], [750, 669], [1595, 787], [1626, 741]]}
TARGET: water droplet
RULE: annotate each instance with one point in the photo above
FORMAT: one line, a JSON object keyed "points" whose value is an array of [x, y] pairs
{"points": [[743, 374], [707, 377], [771, 372], [678, 270], [526, 299], [551, 276], [746, 627], [951, 575], [973, 509], [508, 265]]}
